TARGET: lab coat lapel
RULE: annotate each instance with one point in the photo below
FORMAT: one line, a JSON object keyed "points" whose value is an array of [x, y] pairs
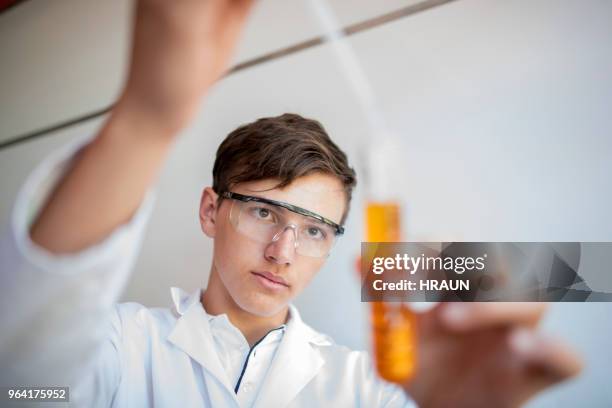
{"points": [[192, 335], [296, 362]]}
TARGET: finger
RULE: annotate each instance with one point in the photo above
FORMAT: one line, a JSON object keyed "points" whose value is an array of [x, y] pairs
{"points": [[547, 361], [473, 316]]}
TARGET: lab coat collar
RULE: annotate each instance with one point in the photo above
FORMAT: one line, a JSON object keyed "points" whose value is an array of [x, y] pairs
{"points": [[296, 362], [192, 334]]}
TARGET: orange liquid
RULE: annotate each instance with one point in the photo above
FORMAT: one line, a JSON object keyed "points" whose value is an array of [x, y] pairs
{"points": [[393, 324]]}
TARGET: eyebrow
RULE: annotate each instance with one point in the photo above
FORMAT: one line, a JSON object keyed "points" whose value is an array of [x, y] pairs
{"points": [[285, 211]]}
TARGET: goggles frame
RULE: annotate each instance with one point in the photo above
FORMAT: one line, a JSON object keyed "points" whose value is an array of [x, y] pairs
{"points": [[339, 229]]}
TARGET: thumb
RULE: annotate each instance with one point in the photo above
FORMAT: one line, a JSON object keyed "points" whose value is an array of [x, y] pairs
{"points": [[545, 361]]}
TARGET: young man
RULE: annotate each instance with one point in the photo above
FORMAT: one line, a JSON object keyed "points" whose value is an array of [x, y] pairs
{"points": [[280, 195]]}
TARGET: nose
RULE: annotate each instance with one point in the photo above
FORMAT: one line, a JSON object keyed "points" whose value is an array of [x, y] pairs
{"points": [[282, 248]]}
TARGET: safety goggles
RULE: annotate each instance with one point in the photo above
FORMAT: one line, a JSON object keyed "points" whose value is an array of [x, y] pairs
{"points": [[265, 221]]}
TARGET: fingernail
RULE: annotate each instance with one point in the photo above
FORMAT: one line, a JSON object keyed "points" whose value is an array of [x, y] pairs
{"points": [[455, 314], [523, 341]]}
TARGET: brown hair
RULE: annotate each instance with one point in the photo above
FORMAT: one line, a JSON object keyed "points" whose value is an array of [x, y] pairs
{"points": [[284, 147]]}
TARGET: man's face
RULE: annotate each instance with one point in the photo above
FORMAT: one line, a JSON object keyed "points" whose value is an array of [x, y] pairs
{"points": [[251, 270]]}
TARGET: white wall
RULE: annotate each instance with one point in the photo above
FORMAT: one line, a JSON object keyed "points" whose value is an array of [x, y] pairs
{"points": [[503, 106]]}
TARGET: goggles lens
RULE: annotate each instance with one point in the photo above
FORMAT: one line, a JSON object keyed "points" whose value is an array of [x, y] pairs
{"points": [[266, 223]]}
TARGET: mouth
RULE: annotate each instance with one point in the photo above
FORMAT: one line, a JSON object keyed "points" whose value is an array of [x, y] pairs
{"points": [[270, 280]]}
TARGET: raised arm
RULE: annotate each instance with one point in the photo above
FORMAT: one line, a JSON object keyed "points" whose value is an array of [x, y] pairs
{"points": [[58, 324], [180, 48]]}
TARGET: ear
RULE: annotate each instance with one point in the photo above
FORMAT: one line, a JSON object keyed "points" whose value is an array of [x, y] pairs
{"points": [[208, 211]]}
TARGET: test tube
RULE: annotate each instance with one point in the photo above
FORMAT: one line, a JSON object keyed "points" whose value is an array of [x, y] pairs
{"points": [[393, 323]]}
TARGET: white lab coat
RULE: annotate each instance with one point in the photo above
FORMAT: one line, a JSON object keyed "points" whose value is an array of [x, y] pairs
{"points": [[60, 326]]}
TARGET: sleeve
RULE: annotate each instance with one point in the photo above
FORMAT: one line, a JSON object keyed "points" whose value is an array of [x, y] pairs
{"points": [[57, 320]]}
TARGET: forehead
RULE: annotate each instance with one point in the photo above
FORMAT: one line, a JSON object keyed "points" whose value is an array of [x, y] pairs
{"points": [[320, 193]]}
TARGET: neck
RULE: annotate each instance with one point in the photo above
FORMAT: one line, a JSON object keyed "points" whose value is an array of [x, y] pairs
{"points": [[217, 300]]}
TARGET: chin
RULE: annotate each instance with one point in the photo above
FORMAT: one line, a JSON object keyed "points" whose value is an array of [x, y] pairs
{"points": [[262, 306]]}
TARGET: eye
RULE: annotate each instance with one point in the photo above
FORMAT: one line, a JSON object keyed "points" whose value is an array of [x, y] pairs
{"points": [[262, 213], [316, 233]]}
